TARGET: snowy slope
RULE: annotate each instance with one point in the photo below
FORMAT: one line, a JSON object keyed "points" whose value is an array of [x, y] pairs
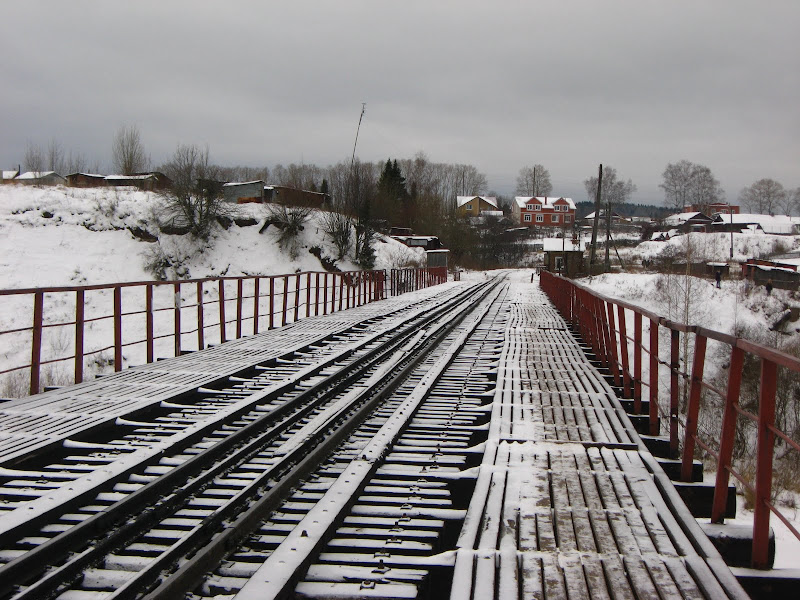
{"points": [[66, 237], [69, 236]]}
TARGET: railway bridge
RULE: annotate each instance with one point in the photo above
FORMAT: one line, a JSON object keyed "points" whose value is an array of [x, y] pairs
{"points": [[464, 440]]}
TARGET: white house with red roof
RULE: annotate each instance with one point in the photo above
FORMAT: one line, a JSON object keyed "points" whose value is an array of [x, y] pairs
{"points": [[543, 211]]}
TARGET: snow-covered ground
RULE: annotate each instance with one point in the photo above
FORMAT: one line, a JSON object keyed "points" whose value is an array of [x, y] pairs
{"points": [[57, 236]]}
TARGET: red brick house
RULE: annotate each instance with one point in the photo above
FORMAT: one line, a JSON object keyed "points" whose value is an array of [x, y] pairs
{"points": [[541, 211]]}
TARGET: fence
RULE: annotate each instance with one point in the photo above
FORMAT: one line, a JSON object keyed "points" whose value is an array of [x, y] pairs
{"points": [[409, 280], [99, 326], [604, 325]]}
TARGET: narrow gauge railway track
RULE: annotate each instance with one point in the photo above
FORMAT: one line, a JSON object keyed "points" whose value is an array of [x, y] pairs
{"points": [[175, 480]]}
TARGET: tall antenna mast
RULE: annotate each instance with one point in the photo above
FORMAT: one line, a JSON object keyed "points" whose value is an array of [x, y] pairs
{"points": [[363, 110]]}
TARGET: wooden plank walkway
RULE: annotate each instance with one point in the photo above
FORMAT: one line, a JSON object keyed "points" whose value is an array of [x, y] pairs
{"points": [[568, 502]]}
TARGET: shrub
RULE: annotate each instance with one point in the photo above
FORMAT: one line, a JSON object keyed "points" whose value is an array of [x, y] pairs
{"points": [[290, 221]]}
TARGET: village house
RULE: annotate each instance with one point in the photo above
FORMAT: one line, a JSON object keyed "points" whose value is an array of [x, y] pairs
{"points": [[713, 208], [242, 192], [281, 194], [541, 211], [473, 206], [9, 176], [85, 180], [144, 181], [745, 222], [688, 221], [40, 178]]}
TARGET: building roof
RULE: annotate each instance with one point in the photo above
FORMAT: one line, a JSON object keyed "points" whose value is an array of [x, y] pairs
{"points": [[462, 200], [779, 224], [37, 174], [681, 218], [237, 183], [614, 215], [10, 174], [565, 244], [546, 201]]}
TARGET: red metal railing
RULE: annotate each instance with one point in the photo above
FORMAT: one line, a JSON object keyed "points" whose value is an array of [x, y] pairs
{"points": [[409, 280], [170, 317], [602, 324]]}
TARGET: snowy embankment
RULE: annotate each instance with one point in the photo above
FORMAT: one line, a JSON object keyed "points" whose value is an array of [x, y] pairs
{"points": [[735, 308], [57, 236]]}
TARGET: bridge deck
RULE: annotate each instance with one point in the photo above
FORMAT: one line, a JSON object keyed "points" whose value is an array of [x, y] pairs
{"points": [[569, 503]]}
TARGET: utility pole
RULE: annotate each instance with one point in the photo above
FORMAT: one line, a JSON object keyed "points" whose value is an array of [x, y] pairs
{"points": [[596, 218], [363, 110]]}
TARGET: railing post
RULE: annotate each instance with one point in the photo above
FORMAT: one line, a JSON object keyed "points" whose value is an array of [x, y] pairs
{"points": [[637, 362], [765, 447], [341, 290], [653, 376], [271, 302], [223, 336], [79, 333], [256, 299], [117, 328], [727, 436], [325, 294], [36, 342], [316, 294], [308, 294], [693, 410], [177, 301], [627, 388], [296, 296], [674, 391], [239, 300], [149, 321], [201, 341], [285, 299]]}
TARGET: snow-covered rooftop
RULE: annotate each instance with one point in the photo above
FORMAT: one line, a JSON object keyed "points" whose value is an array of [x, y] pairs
{"points": [[36, 174], [562, 244], [236, 183], [546, 201], [779, 224], [681, 218], [462, 200]]}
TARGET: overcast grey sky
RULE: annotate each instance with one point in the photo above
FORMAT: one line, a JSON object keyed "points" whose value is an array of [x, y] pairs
{"points": [[500, 85]]}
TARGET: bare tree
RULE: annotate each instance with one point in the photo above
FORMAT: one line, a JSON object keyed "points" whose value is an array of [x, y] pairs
{"points": [[677, 184], [128, 151], [614, 191], [765, 196], [34, 159], [686, 183], [189, 204], [534, 181], [55, 157], [75, 163], [705, 188]]}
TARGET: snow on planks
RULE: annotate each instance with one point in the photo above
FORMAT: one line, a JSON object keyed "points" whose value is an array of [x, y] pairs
{"points": [[564, 505]]}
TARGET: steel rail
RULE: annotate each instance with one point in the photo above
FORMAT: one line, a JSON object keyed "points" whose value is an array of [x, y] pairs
{"points": [[211, 552], [101, 522]]}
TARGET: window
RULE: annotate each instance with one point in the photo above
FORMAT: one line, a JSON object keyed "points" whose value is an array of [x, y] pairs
{"points": [[554, 218], [567, 218], [527, 218], [535, 206], [469, 206], [540, 218]]}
